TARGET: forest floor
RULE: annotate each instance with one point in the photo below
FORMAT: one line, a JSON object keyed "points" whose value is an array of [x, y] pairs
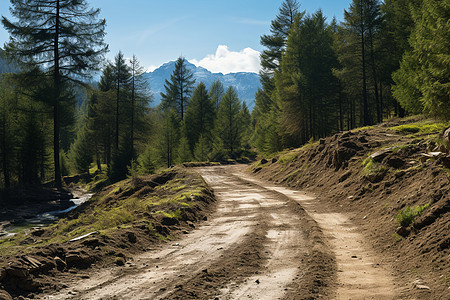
{"points": [[322, 221]]}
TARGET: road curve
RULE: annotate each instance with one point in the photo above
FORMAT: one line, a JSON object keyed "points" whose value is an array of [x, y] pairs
{"points": [[258, 244], [251, 247]]}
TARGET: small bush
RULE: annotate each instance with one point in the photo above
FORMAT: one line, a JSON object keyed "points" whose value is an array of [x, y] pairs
{"points": [[406, 217]]}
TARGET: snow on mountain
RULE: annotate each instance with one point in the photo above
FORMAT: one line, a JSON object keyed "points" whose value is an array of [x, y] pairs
{"points": [[246, 84]]}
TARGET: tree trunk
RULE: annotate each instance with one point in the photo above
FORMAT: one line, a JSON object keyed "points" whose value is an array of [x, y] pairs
{"points": [[374, 75], [116, 145], [341, 117], [133, 103], [6, 175], [57, 86], [363, 57]]}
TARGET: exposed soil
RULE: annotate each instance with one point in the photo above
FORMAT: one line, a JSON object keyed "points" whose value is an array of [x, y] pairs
{"points": [[363, 203], [49, 268], [258, 244]]}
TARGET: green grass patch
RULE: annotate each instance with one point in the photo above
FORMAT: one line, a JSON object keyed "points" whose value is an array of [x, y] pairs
{"points": [[371, 167], [287, 158], [422, 127], [406, 216]]}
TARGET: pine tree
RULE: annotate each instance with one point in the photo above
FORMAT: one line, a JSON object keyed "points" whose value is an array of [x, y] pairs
{"points": [[202, 149], [140, 97], [228, 126], [170, 137], [122, 76], [8, 130], [216, 93], [422, 82], [199, 118], [276, 41], [81, 151], [67, 42], [178, 89]]}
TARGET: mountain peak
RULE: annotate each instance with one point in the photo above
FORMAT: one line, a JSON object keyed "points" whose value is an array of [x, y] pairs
{"points": [[245, 83]]}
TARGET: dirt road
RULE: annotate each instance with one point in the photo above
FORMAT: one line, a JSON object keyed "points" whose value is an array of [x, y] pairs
{"points": [[259, 244]]}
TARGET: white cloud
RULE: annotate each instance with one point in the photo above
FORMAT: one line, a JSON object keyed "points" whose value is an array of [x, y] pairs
{"points": [[226, 61]]}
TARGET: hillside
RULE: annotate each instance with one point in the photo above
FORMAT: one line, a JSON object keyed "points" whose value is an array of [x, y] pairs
{"points": [[121, 220], [246, 84], [394, 188]]}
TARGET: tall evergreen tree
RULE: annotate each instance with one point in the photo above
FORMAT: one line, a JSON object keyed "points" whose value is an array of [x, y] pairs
{"points": [[122, 76], [170, 137], [216, 93], [200, 115], [228, 125], [422, 82], [140, 97], [179, 89], [61, 36], [276, 41]]}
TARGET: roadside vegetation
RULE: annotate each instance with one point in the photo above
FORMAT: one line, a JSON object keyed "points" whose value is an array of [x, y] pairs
{"points": [[171, 197]]}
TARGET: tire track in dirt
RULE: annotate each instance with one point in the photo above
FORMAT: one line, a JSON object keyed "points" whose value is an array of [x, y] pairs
{"points": [[253, 246], [360, 274]]}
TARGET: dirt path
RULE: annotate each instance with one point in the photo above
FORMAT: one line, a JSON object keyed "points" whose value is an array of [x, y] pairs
{"points": [[361, 274], [251, 247], [257, 245]]}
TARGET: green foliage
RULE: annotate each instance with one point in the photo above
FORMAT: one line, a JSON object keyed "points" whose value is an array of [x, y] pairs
{"points": [[287, 158], [202, 149], [81, 151], [216, 93], [179, 89], [423, 127], [65, 44], [121, 162], [228, 128], [146, 163], [422, 80], [406, 216], [169, 137], [200, 115], [305, 86]]}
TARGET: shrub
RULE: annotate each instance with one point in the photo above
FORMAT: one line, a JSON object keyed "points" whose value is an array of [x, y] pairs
{"points": [[406, 217]]}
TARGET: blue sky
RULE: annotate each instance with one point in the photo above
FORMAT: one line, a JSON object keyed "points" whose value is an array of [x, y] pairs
{"points": [[222, 36]]}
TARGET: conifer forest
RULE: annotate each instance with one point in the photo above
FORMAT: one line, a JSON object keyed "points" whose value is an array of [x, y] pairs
{"points": [[319, 76]]}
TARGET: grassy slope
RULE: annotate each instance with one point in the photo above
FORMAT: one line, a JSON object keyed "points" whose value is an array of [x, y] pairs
{"points": [[126, 217], [402, 186]]}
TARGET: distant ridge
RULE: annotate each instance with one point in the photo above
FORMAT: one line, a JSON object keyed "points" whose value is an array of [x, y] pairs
{"points": [[245, 83]]}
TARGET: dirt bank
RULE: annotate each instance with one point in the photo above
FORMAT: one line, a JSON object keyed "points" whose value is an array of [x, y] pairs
{"points": [[117, 223], [382, 177]]}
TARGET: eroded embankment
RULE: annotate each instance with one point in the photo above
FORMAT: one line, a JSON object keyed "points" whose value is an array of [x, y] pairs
{"points": [[393, 182], [118, 222]]}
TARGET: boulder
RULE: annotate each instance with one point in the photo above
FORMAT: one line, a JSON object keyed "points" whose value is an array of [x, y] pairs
{"points": [[342, 155]]}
